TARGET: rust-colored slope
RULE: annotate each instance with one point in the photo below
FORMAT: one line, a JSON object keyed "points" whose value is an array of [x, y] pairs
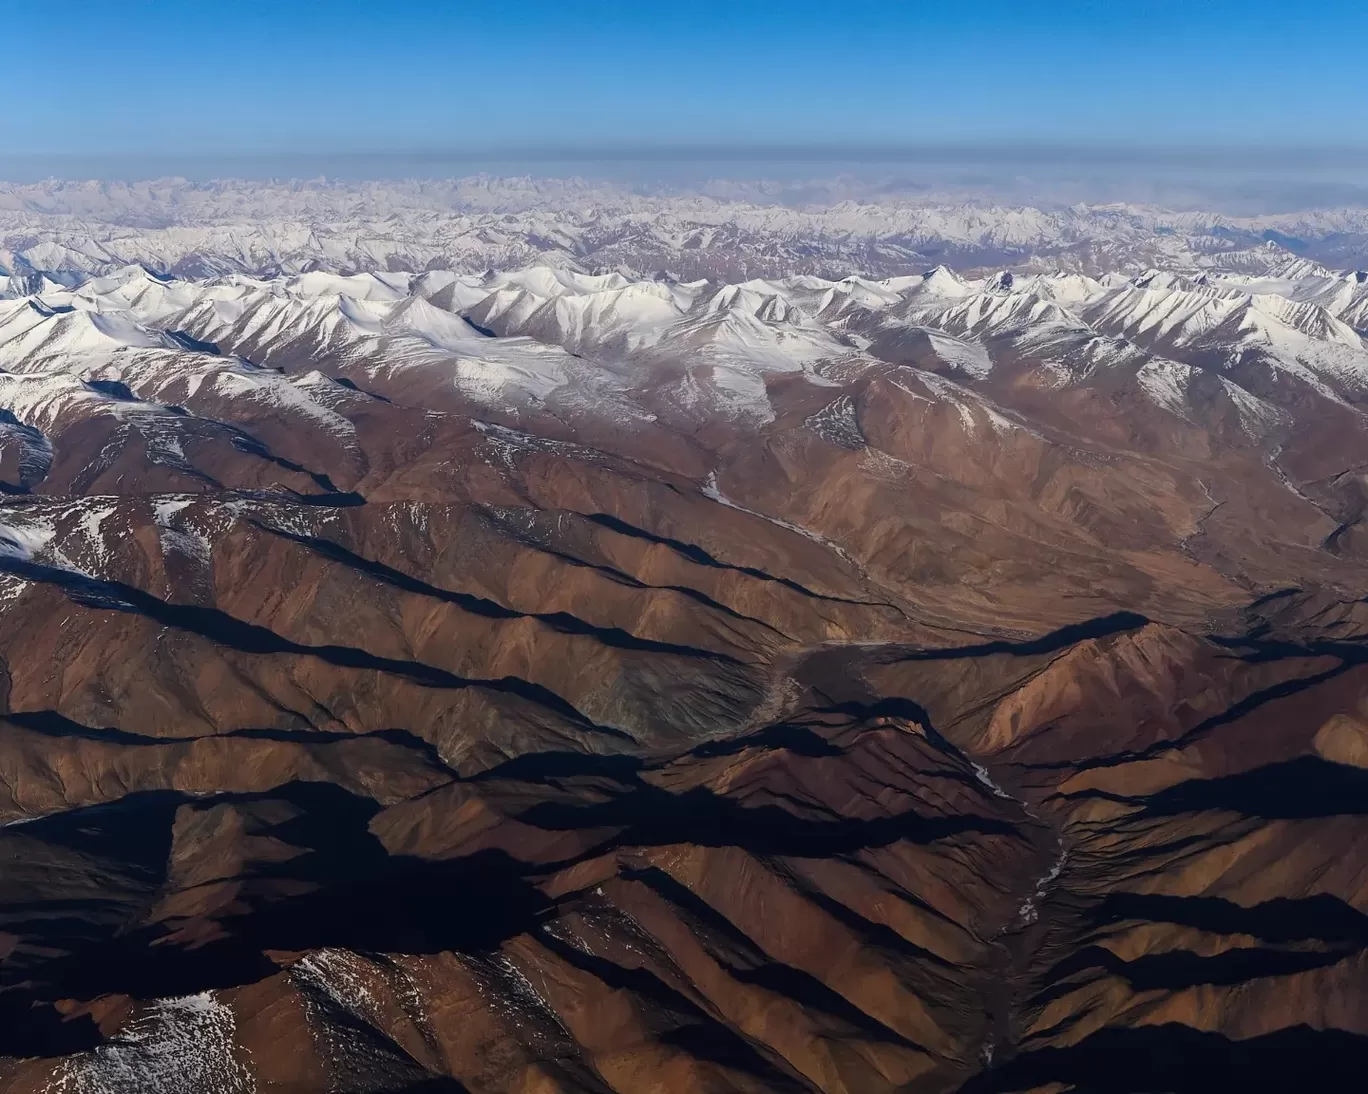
{"points": [[927, 731]]}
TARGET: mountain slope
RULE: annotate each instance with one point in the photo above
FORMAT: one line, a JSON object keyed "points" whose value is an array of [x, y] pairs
{"points": [[550, 681]]}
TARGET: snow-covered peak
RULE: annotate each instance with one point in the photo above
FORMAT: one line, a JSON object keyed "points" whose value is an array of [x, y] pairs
{"points": [[329, 236]]}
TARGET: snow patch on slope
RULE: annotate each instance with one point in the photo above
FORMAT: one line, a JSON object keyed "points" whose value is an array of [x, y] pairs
{"points": [[175, 1046]]}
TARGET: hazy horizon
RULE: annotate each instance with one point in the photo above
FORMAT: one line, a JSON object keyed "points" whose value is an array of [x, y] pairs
{"points": [[1231, 106], [1240, 180]]}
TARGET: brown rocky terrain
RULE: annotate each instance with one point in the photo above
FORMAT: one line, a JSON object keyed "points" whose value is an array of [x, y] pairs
{"points": [[907, 686]]}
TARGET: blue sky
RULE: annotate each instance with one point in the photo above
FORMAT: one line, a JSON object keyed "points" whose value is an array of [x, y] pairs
{"points": [[243, 76]]}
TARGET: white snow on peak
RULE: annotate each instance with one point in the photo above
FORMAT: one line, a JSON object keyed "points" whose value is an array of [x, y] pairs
{"points": [[252, 333]]}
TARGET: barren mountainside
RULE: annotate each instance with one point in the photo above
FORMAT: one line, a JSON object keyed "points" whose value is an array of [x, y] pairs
{"points": [[422, 677]]}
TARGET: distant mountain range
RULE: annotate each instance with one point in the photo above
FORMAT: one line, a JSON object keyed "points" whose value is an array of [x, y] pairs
{"points": [[732, 232]]}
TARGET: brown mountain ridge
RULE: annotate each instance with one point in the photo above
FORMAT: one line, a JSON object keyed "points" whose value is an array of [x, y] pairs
{"points": [[554, 683]]}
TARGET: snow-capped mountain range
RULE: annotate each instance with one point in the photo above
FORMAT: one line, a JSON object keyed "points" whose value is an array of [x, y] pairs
{"points": [[805, 662], [633, 348], [73, 230], [1267, 367], [1247, 366]]}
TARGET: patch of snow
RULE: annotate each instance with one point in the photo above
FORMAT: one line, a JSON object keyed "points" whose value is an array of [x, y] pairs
{"points": [[1166, 383], [24, 536], [837, 424], [1029, 911], [968, 357], [981, 773], [175, 1046], [710, 490]]}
